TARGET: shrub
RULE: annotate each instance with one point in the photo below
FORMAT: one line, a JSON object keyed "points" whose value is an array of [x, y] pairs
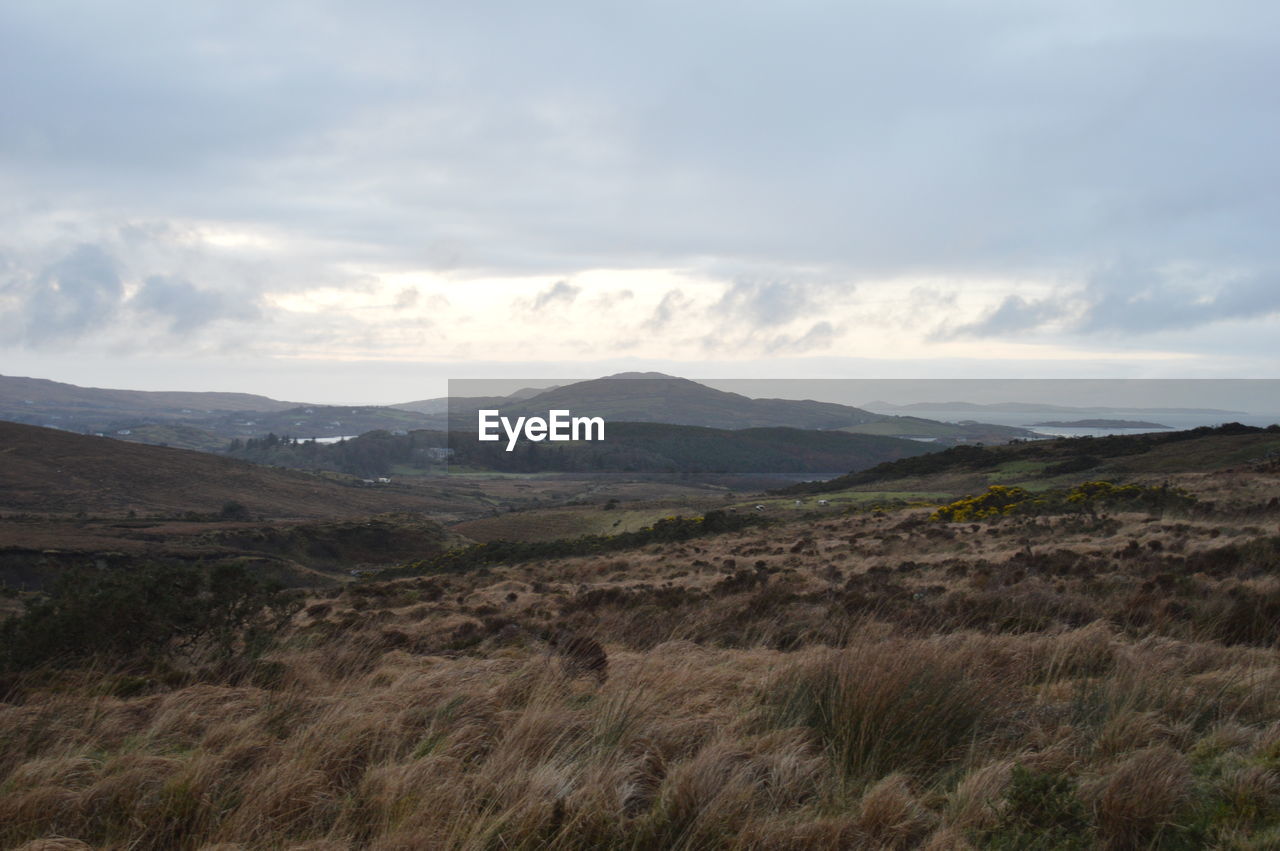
{"points": [[997, 500], [232, 510], [142, 612], [1003, 500], [1041, 811]]}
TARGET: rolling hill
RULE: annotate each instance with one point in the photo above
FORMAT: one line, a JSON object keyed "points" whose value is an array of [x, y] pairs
{"points": [[209, 421], [648, 447], [628, 448], [1113, 457], [205, 421], [38, 395], [653, 397], [50, 471]]}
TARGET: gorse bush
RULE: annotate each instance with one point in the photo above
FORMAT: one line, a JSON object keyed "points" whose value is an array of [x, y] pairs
{"points": [[997, 500], [1005, 500], [144, 612]]}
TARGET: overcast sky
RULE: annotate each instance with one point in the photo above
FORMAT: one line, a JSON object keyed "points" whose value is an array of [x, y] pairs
{"points": [[352, 202]]}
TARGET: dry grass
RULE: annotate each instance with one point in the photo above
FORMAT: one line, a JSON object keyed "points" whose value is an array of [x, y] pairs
{"points": [[838, 683]]}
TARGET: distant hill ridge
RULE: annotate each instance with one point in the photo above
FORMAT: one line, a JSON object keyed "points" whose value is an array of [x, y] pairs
{"points": [[210, 421], [656, 397], [16, 392]]}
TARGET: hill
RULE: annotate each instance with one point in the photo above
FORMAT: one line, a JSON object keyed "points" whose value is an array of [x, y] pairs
{"points": [[173, 434], [628, 448], [210, 421], [136, 414], [1152, 453], [1101, 423], [35, 397], [653, 397], [650, 447], [50, 471], [440, 405]]}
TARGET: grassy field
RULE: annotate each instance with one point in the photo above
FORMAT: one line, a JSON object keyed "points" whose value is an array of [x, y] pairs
{"points": [[1089, 678]]}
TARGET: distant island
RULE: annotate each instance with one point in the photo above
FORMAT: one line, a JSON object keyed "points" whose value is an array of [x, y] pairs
{"points": [[1099, 424]]}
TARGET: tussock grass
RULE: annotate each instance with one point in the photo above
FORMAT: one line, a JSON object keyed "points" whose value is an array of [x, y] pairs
{"points": [[832, 684], [888, 706]]}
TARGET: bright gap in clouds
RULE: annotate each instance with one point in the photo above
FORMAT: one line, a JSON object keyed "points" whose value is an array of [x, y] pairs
{"points": [[663, 314]]}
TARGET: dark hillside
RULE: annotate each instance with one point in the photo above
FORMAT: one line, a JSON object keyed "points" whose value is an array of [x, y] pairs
{"points": [[1180, 451], [45, 470]]}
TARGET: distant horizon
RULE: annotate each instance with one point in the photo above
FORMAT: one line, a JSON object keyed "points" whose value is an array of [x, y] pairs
{"points": [[1235, 396]]}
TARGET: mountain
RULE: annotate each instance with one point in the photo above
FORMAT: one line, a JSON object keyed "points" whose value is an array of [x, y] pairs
{"points": [[28, 395], [442, 405], [210, 421], [439, 406], [194, 420], [654, 397]]}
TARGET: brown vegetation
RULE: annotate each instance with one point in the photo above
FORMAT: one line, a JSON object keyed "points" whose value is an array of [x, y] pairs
{"points": [[865, 680], [45, 471]]}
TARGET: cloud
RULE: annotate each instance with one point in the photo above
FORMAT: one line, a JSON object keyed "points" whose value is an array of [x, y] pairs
{"points": [[674, 304], [607, 301], [78, 293], [561, 292], [766, 303], [820, 336], [187, 308], [1014, 315], [1142, 301], [1131, 300], [407, 298], [770, 136], [777, 153]]}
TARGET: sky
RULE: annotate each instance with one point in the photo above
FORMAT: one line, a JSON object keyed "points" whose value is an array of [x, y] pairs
{"points": [[352, 203]]}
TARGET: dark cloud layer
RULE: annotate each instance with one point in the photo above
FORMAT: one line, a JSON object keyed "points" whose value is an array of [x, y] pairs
{"points": [[875, 137]]}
